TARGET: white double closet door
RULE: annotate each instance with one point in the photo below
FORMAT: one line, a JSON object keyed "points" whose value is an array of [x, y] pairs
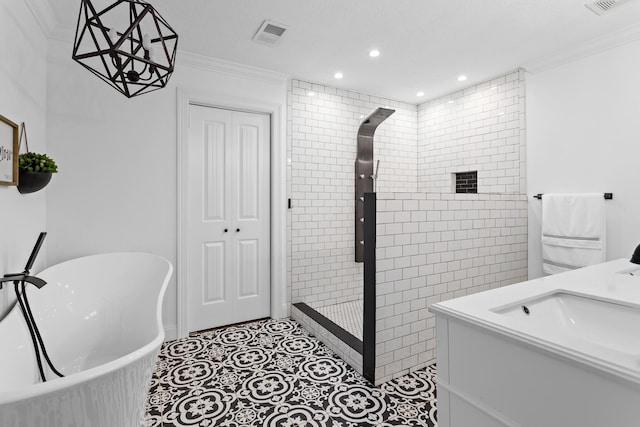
{"points": [[229, 217]]}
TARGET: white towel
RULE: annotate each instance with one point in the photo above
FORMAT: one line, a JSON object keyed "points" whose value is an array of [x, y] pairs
{"points": [[573, 231]]}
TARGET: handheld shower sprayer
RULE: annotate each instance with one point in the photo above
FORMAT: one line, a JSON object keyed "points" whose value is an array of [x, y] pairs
{"points": [[374, 177]]}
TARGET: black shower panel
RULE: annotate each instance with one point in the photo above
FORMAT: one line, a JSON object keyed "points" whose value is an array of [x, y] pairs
{"points": [[364, 175]]}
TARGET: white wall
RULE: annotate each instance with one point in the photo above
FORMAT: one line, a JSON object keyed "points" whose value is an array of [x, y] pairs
{"points": [[583, 121], [23, 69], [117, 190]]}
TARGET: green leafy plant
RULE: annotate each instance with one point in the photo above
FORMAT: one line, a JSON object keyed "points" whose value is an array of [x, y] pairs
{"points": [[34, 162]]}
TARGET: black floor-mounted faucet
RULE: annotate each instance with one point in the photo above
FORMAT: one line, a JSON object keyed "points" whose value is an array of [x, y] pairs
{"points": [[19, 281]]}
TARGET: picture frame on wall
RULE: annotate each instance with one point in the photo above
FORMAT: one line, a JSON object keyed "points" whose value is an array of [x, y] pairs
{"points": [[9, 152]]}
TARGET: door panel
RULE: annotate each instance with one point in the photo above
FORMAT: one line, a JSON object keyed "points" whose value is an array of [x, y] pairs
{"points": [[229, 217], [213, 275], [248, 172], [214, 188], [248, 268]]}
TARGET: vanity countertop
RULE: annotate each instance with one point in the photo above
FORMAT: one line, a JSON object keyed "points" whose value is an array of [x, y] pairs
{"points": [[591, 315]]}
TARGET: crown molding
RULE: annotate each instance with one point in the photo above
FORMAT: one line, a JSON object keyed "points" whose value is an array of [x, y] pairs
{"points": [[232, 68], [193, 60], [582, 50], [41, 10]]}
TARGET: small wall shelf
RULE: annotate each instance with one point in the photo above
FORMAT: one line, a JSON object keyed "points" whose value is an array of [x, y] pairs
{"points": [[607, 196]]}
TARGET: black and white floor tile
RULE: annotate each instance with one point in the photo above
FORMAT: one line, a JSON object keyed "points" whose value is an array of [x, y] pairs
{"points": [[272, 373]]}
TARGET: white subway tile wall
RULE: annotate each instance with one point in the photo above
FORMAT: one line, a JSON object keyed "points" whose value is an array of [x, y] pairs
{"points": [[479, 128], [322, 151], [433, 247], [432, 244]]}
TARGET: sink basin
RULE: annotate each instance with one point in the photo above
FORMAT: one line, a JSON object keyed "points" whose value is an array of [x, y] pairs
{"points": [[606, 324]]}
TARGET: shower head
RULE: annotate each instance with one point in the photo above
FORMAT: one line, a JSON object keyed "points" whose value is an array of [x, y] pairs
{"points": [[368, 127]]}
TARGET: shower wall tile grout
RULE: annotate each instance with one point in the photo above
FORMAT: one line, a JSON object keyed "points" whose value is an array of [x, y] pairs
{"points": [[433, 247], [480, 128], [322, 149], [433, 244]]}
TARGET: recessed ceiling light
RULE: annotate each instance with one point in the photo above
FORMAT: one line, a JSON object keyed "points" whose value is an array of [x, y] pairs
{"points": [[311, 94], [362, 116], [374, 53], [421, 93], [450, 101], [338, 75], [387, 107], [462, 78]]}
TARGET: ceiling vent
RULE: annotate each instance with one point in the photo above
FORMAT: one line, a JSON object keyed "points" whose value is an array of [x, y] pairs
{"points": [[601, 7], [270, 33]]}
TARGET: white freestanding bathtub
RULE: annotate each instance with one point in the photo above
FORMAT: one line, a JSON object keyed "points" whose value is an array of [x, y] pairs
{"points": [[101, 321]]}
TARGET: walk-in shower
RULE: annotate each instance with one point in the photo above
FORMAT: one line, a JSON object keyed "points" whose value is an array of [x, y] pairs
{"points": [[421, 242], [350, 315]]}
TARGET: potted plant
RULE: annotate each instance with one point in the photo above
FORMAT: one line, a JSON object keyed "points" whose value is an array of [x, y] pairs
{"points": [[35, 171]]}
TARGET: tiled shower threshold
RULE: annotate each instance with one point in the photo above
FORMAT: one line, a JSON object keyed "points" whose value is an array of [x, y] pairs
{"points": [[330, 325], [347, 315]]}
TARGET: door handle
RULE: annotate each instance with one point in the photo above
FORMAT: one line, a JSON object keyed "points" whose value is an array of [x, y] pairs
{"points": [[237, 230]]}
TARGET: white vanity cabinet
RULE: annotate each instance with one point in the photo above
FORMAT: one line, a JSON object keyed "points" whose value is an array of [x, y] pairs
{"points": [[581, 369]]}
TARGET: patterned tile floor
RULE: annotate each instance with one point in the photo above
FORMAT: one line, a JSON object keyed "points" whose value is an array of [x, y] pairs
{"points": [[273, 373]]}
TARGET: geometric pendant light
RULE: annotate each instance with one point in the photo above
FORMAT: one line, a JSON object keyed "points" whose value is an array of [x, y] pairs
{"points": [[128, 45]]}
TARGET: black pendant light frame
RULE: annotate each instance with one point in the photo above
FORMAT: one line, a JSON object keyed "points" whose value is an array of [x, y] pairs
{"points": [[124, 59]]}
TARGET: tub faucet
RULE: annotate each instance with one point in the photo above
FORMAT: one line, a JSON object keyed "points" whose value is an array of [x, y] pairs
{"points": [[636, 256], [22, 277]]}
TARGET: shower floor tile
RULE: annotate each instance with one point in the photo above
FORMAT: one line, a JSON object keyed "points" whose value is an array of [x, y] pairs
{"points": [[347, 315], [272, 373]]}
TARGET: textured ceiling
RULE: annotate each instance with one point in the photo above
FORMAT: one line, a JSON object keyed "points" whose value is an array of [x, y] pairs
{"points": [[424, 44]]}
